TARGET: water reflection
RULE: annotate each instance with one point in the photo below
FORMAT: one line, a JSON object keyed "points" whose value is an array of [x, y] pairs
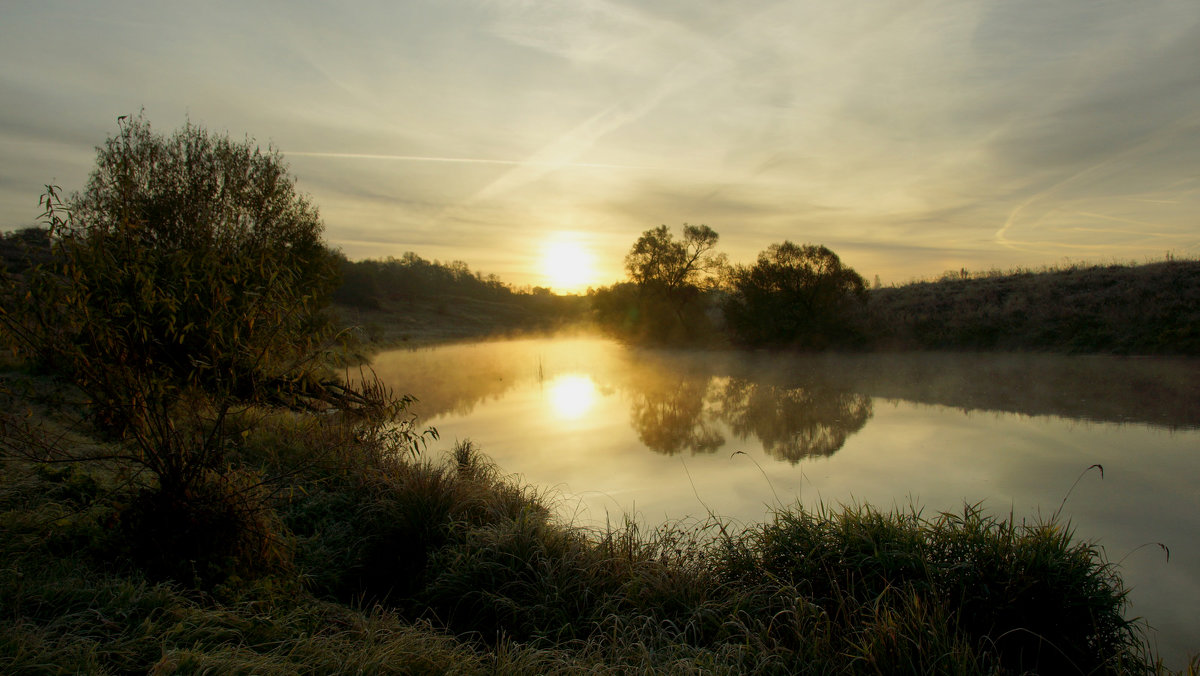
{"points": [[572, 395], [792, 423], [796, 406], [672, 415]]}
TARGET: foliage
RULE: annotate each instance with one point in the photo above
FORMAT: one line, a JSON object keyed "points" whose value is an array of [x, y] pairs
{"points": [[411, 299], [359, 287], [657, 261], [1024, 593], [24, 249], [187, 280], [188, 262], [670, 280], [803, 296], [365, 283], [793, 295]]}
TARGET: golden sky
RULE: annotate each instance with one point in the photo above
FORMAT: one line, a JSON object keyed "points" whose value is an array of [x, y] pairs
{"points": [[910, 137]]}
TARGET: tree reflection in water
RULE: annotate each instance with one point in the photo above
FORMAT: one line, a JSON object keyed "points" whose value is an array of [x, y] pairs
{"points": [[671, 415], [684, 408], [792, 423]]}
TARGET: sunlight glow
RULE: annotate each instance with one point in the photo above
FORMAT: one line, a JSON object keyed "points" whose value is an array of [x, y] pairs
{"points": [[572, 395], [567, 266]]}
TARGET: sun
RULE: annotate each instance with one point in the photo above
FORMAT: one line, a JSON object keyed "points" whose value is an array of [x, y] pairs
{"points": [[567, 266]]}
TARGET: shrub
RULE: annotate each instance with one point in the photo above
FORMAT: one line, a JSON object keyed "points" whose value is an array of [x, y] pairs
{"points": [[187, 262], [794, 295], [186, 281]]}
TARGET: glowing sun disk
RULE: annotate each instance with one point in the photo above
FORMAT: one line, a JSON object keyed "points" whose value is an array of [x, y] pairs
{"points": [[567, 265]]}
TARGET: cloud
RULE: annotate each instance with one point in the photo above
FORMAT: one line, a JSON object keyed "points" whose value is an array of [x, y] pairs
{"points": [[463, 160], [1016, 131]]}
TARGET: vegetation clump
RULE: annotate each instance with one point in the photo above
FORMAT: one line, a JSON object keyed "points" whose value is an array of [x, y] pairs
{"points": [[798, 296], [670, 284]]}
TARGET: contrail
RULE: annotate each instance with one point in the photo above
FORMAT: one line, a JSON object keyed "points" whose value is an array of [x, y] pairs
{"points": [[1155, 141], [457, 160]]}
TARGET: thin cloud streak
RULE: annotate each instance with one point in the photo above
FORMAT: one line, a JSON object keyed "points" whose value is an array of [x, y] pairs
{"points": [[462, 160]]}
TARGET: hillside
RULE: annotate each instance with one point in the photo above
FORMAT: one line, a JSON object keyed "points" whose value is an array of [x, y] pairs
{"points": [[450, 318], [1145, 309]]}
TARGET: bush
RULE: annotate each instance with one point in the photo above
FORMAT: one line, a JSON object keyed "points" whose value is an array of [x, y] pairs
{"points": [[1025, 594], [794, 295], [188, 279], [188, 261]]}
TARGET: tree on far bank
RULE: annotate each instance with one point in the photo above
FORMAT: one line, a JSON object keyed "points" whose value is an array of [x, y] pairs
{"points": [[659, 261], [670, 276], [794, 295]]}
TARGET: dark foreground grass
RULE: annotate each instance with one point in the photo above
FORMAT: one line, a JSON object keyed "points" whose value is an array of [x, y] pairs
{"points": [[396, 565]]}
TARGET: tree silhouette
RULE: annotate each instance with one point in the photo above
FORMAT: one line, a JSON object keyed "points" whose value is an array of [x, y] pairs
{"points": [[794, 295], [670, 275], [186, 281]]}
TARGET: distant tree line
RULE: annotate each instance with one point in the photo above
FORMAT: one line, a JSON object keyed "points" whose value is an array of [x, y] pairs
{"points": [[368, 282], [24, 249], [681, 291], [376, 283]]}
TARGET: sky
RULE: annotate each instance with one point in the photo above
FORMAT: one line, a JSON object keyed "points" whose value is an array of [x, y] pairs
{"points": [[537, 139]]}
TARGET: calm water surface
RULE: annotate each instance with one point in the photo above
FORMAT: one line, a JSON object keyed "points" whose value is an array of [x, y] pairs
{"points": [[669, 435]]}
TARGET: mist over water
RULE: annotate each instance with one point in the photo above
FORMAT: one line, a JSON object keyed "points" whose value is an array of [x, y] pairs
{"points": [[667, 435]]}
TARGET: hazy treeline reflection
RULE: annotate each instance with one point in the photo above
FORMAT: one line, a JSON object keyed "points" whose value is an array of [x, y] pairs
{"points": [[793, 422], [796, 406], [680, 402], [674, 416]]}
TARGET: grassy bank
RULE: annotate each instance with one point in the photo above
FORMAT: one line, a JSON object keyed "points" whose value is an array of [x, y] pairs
{"points": [[1124, 309], [355, 556], [418, 322]]}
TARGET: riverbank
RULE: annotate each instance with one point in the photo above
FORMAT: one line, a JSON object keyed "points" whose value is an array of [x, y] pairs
{"points": [[1121, 309], [358, 557], [440, 320]]}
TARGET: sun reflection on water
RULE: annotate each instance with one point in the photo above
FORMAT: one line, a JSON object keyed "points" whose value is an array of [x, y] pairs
{"points": [[572, 395]]}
